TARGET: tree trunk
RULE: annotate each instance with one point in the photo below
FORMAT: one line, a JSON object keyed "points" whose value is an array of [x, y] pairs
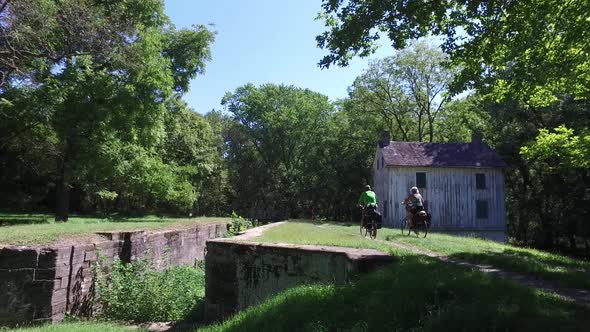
{"points": [[62, 195]]}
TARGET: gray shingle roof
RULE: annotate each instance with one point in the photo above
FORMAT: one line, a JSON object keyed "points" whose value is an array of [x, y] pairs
{"points": [[441, 155]]}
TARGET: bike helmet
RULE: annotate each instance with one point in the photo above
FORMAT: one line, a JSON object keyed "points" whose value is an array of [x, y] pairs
{"points": [[414, 190], [367, 188]]}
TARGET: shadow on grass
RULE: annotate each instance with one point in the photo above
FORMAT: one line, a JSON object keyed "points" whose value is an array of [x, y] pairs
{"points": [[326, 222], [568, 275], [419, 293], [8, 219]]}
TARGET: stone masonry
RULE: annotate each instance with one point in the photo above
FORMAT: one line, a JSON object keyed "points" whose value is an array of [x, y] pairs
{"points": [[240, 274], [43, 284]]}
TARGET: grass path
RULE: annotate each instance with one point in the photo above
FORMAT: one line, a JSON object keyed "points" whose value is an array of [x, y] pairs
{"points": [[580, 296], [559, 275]]}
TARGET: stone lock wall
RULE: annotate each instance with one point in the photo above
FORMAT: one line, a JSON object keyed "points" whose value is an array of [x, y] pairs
{"points": [[43, 284], [241, 274]]}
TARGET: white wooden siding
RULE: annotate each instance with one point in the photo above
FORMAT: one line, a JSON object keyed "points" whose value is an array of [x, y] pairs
{"points": [[450, 194]]}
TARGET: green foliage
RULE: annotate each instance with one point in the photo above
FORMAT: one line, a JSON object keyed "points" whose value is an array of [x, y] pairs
{"points": [[238, 224], [560, 148], [406, 91], [137, 292], [274, 146], [94, 104], [460, 118], [531, 51]]}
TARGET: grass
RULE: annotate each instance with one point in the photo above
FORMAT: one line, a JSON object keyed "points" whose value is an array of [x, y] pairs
{"points": [[47, 232], [568, 271], [78, 327], [415, 294], [302, 232]]}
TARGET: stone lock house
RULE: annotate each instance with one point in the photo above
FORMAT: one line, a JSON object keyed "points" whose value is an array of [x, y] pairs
{"points": [[462, 184]]}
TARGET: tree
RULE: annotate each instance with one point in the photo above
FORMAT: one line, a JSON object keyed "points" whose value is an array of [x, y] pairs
{"points": [[275, 142], [103, 101], [460, 118], [407, 90], [52, 31], [561, 159], [531, 51]]}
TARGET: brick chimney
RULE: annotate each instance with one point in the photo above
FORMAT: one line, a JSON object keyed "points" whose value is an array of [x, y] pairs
{"points": [[476, 137], [385, 139]]}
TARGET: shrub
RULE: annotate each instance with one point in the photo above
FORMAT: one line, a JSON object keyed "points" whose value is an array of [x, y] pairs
{"points": [[238, 224], [137, 292]]}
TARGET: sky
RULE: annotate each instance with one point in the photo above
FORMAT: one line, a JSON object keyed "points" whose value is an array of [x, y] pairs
{"points": [[262, 41]]}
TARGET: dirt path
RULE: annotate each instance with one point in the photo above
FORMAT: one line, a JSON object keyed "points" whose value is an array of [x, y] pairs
{"points": [[580, 296], [257, 231]]}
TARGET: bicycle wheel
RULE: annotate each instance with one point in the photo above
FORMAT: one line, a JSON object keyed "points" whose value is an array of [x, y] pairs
{"points": [[408, 229], [425, 229], [403, 224], [373, 230]]}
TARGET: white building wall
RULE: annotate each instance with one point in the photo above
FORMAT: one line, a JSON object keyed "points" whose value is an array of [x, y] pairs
{"points": [[450, 196]]}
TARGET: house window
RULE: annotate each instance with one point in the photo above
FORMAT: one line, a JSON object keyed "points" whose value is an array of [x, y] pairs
{"points": [[481, 209], [480, 181], [421, 180]]}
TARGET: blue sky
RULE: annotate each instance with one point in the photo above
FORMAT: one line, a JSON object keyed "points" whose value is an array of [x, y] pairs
{"points": [[262, 41]]}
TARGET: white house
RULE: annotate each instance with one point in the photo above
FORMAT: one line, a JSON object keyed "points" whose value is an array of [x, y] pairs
{"points": [[462, 184]]}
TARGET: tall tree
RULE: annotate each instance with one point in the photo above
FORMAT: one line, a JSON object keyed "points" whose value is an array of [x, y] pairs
{"points": [[274, 144], [104, 88], [408, 90]]}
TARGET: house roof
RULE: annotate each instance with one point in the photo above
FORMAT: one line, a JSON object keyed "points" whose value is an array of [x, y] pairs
{"points": [[441, 155]]}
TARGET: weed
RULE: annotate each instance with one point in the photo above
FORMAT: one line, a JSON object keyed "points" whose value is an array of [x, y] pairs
{"points": [[138, 292]]}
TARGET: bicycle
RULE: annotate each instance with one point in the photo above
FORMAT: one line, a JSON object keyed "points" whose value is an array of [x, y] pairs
{"points": [[421, 224], [368, 228]]}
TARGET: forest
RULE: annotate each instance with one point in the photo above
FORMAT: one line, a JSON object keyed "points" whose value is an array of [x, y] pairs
{"points": [[92, 119]]}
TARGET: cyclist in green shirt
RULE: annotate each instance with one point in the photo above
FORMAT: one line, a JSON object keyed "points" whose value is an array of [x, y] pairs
{"points": [[368, 200]]}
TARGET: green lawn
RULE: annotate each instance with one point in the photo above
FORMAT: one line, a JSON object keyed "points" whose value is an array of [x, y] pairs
{"points": [[414, 294], [303, 232], [568, 271], [78, 327], [44, 231]]}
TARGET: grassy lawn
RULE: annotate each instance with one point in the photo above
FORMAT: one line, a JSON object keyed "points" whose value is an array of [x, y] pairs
{"points": [[78, 327], [42, 230], [415, 294], [568, 271], [303, 232]]}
